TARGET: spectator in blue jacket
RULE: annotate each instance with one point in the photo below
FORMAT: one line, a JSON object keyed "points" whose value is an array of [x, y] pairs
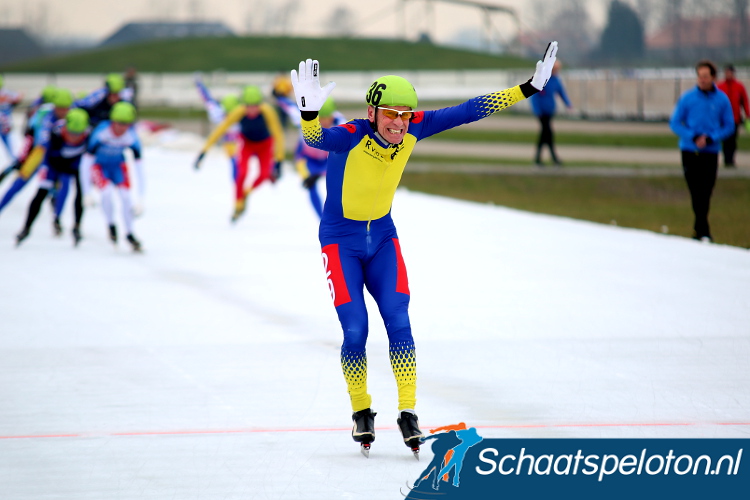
{"points": [[544, 107], [702, 119]]}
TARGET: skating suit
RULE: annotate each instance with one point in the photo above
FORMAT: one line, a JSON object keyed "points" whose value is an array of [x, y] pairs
{"points": [[61, 159], [260, 136], [97, 105], [360, 247], [108, 150]]}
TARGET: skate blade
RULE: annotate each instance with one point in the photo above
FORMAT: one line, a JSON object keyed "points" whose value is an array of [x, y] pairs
{"points": [[415, 451], [365, 449]]}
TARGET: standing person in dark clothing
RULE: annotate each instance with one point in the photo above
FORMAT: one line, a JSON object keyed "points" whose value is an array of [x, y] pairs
{"points": [[738, 98], [131, 83], [544, 107], [702, 119]]}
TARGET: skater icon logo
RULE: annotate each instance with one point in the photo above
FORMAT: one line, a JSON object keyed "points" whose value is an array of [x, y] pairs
{"points": [[443, 473]]}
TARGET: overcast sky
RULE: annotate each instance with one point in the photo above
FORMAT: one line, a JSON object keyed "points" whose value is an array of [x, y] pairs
{"points": [[99, 18]]}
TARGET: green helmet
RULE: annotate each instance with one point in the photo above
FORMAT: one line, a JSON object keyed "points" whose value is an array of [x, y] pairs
{"points": [[77, 120], [63, 98], [229, 102], [252, 95], [114, 82], [122, 112], [391, 90], [328, 108], [48, 93]]}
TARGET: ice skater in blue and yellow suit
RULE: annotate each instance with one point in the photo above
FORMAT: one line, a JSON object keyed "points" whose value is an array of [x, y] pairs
{"points": [[360, 246]]}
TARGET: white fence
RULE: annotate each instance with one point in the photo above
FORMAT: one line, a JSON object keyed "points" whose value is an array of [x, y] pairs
{"points": [[638, 95]]}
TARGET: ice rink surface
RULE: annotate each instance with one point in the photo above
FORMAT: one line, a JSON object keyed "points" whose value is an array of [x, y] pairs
{"points": [[208, 366]]}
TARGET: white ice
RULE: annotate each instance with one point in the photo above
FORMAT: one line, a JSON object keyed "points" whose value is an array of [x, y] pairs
{"points": [[208, 367]]}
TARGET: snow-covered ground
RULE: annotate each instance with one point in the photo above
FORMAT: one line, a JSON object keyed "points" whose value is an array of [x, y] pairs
{"points": [[208, 366]]}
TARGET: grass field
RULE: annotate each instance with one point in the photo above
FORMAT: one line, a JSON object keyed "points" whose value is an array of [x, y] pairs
{"points": [[660, 204], [268, 54]]}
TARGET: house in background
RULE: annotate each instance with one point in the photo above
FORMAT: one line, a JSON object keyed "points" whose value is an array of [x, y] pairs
{"points": [[145, 31], [17, 45]]}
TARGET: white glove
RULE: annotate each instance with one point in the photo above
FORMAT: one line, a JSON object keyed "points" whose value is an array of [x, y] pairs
{"points": [[544, 67], [137, 210], [310, 97], [89, 200]]}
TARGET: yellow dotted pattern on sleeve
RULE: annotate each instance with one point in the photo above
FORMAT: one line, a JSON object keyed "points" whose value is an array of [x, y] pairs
{"points": [[404, 365], [354, 366], [496, 101], [312, 132]]}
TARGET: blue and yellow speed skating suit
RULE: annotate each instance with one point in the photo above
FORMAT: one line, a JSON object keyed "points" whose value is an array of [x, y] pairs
{"points": [[360, 246]]}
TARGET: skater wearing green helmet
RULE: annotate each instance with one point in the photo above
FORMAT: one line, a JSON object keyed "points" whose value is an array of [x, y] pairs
{"points": [[260, 135], [217, 111], [104, 166], [98, 104], [359, 241], [63, 149]]}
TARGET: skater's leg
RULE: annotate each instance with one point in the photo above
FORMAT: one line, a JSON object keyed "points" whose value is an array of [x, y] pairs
{"points": [[62, 194], [345, 280], [34, 207], [107, 204], [78, 202], [264, 151], [386, 280], [127, 208]]}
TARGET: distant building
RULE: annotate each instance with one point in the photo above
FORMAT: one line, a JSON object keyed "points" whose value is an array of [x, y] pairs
{"points": [[689, 39], [17, 46], [141, 32]]}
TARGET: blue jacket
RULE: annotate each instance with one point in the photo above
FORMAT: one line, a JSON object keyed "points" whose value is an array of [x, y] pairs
{"points": [[543, 103], [702, 113]]}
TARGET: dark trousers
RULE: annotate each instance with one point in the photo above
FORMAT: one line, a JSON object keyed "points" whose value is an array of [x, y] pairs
{"points": [[700, 174], [730, 146], [546, 136]]}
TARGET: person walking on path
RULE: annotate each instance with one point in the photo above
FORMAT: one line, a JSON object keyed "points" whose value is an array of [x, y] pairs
{"points": [[545, 107], [360, 245], [737, 94], [702, 119]]}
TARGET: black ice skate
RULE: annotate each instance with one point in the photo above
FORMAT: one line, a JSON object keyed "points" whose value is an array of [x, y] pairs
{"points": [[408, 423], [57, 227], [76, 236], [113, 234], [22, 236], [134, 243], [363, 431]]}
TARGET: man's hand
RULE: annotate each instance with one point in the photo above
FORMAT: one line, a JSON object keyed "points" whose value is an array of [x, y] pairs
{"points": [[310, 181], [700, 141], [310, 96], [198, 161], [544, 67]]}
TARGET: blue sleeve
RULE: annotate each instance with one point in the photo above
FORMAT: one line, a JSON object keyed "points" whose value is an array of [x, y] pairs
{"points": [[136, 145], [677, 121], [94, 139], [92, 99], [563, 94], [432, 122]]}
